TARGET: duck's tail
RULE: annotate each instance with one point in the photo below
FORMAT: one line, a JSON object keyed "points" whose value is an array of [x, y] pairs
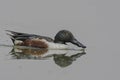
{"points": [[12, 35], [17, 35]]}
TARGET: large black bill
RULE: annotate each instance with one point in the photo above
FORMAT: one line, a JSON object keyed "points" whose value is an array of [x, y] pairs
{"points": [[74, 41]]}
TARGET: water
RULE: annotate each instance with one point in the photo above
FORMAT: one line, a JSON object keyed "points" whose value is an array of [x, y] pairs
{"points": [[93, 23], [37, 62], [96, 62]]}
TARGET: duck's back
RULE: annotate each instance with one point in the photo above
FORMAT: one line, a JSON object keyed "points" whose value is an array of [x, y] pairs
{"points": [[24, 39]]}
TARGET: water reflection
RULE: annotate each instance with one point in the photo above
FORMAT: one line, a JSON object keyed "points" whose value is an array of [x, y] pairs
{"points": [[62, 58], [24, 53], [63, 61]]}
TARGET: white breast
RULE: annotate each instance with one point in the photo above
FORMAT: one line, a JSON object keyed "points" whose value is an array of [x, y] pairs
{"points": [[52, 45], [57, 46]]}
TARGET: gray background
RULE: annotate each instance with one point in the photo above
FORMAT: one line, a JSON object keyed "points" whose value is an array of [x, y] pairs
{"points": [[94, 22]]}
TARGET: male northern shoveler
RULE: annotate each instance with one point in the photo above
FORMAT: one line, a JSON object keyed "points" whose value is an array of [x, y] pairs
{"points": [[32, 40]]}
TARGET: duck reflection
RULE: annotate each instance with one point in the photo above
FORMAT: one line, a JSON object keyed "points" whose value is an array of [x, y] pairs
{"points": [[62, 58], [63, 61], [25, 53]]}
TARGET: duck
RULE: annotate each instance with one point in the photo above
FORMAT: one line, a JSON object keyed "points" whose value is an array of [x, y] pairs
{"points": [[32, 40]]}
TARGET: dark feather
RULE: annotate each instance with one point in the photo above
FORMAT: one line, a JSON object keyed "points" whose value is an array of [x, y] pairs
{"points": [[23, 36]]}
